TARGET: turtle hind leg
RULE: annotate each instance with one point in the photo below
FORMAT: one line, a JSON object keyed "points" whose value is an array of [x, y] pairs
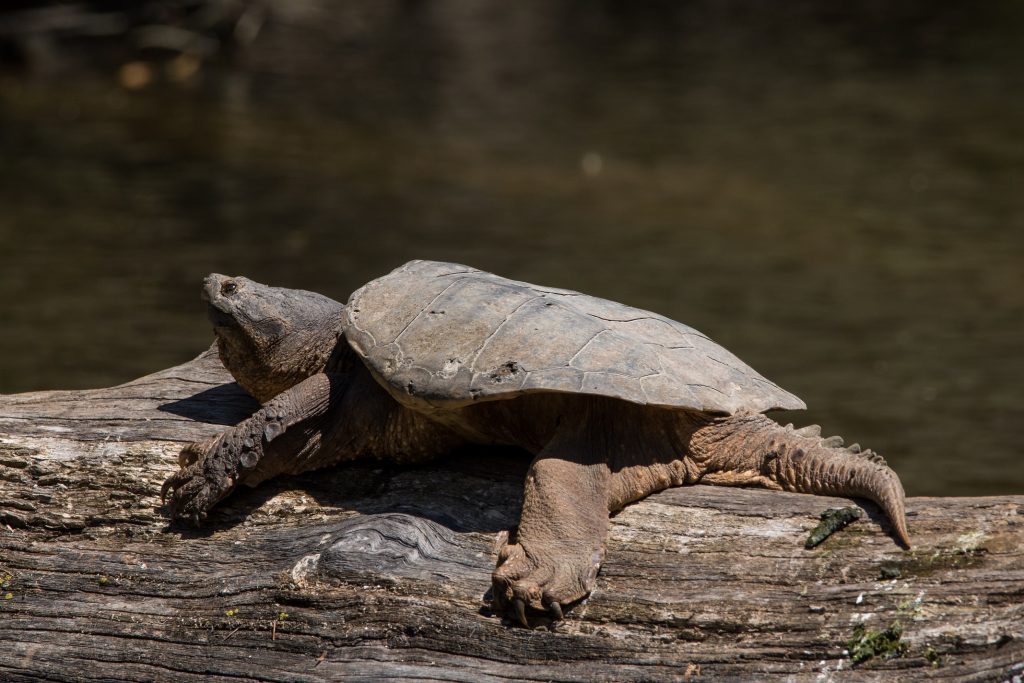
{"points": [[554, 557]]}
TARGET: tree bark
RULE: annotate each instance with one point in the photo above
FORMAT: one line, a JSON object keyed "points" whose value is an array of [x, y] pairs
{"points": [[374, 571]]}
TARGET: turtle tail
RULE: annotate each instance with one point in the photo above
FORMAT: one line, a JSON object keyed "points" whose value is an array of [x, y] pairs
{"points": [[800, 460]]}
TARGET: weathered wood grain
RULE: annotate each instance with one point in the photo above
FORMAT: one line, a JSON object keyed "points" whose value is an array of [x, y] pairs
{"points": [[371, 571]]}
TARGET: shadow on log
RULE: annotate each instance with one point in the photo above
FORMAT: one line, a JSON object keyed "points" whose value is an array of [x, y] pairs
{"points": [[373, 571]]}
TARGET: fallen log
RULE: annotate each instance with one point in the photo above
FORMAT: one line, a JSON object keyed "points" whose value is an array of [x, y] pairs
{"points": [[373, 571]]}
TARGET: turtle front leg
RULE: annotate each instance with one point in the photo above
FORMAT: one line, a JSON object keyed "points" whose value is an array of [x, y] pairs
{"points": [[265, 444], [560, 543]]}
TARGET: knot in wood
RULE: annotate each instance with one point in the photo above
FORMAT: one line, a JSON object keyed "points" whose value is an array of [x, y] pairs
{"points": [[392, 547]]}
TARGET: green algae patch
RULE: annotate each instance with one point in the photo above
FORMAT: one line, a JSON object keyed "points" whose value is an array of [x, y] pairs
{"points": [[868, 643], [832, 520]]}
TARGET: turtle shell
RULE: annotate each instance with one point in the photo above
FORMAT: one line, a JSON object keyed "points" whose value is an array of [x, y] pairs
{"points": [[447, 335]]}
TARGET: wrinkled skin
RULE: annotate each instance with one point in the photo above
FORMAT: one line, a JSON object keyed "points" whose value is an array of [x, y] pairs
{"points": [[593, 455]]}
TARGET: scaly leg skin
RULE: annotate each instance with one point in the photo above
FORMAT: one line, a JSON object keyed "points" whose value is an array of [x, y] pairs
{"points": [[560, 542], [252, 451]]}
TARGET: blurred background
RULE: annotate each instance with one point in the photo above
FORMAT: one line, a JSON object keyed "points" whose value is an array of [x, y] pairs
{"points": [[835, 192]]}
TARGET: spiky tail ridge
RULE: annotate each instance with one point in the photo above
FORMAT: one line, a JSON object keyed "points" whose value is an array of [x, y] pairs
{"points": [[810, 464], [748, 448]]}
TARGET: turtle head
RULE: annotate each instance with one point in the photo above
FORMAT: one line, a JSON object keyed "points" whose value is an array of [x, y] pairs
{"points": [[270, 338]]}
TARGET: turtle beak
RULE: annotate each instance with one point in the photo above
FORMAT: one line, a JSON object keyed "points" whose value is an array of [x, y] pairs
{"points": [[211, 287], [212, 295]]}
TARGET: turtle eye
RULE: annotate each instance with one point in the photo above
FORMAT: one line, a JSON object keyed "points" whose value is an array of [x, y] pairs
{"points": [[228, 288]]}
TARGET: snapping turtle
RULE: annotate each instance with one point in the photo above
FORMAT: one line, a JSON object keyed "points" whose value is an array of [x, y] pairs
{"points": [[614, 402]]}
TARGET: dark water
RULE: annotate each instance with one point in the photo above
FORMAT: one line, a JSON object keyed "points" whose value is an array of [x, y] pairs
{"points": [[835, 195]]}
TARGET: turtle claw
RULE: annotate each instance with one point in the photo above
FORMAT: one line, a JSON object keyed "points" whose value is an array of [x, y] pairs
{"points": [[172, 482], [212, 472], [164, 489], [520, 608], [528, 582]]}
